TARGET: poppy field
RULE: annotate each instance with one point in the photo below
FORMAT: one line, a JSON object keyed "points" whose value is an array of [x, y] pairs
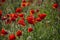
{"points": [[29, 20]]}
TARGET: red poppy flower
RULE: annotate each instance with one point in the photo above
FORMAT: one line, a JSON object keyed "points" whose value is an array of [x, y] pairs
{"points": [[31, 19], [19, 33], [55, 5], [32, 12], [16, 15], [38, 19], [4, 32], [30, 29], [0, 13], [21, 22], [21, 15], [42, 16], [23, 4], [18, 10], [12, 37]]}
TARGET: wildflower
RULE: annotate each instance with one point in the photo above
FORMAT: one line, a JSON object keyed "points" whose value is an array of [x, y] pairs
{"points": [[30, 29], [55, 5], [4, 32], [21, 22], [31, 19], [18, 10], [16, 15], [23, 4], [21, 15], [32, 12], [42, 16], [12, 37], [19, 33], [38, 19]]}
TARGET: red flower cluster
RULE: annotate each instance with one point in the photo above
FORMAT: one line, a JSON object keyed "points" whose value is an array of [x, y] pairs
{"points": [[18, 16], [24, 3], [33, 20], [13, 37]]}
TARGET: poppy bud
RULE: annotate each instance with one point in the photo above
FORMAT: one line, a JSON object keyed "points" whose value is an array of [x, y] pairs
{"points": [[19, 33], [18, 10], [30, 29]]}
